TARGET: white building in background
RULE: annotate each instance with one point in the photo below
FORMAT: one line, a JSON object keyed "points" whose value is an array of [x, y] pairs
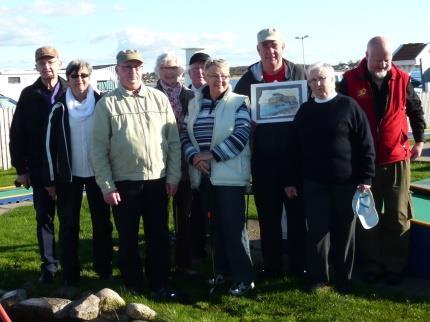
{"points": [[12, 82]]}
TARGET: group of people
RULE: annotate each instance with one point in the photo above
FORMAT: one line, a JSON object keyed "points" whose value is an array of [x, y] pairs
{"points": [[136, 146]]}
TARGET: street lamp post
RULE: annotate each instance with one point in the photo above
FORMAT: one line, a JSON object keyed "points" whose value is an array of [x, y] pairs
{"points": [[303, 47]]}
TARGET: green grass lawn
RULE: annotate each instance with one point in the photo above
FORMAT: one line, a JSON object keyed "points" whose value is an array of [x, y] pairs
{"points": [[283, 299]]}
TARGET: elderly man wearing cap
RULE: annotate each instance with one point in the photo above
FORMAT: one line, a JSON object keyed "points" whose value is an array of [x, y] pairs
{"points": [[268, 157], [137, 162], [27, 148], [195, 70]]}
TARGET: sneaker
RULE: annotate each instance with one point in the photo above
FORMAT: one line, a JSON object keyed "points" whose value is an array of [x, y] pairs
{"points": [[217, 280], [241, 288]]}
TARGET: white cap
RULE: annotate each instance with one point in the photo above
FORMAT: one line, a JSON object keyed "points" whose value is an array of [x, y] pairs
{"points": [[363, 206]]}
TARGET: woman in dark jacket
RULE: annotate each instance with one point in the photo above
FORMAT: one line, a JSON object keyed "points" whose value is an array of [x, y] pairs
{"points": [[69, 170]]}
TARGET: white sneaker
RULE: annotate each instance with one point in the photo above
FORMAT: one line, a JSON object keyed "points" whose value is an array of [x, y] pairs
{"points": [[238, 289], [217, 280]]}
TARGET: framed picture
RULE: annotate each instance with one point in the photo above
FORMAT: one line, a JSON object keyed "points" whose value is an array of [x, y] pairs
{"points": [[277, 102]]}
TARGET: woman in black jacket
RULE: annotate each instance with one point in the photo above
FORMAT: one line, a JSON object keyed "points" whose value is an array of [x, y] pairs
{"points": [[69, 170]]}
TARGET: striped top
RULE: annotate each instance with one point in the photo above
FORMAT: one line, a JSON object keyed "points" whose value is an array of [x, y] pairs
{"points": [[203, 130]]}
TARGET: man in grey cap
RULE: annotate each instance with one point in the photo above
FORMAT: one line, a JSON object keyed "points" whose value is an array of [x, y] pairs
{"points": [[268, 155], [27, 148], [137, 161]]}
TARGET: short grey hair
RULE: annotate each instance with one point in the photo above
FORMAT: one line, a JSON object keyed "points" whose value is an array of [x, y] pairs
{"points": [[169, 56], [76, 65], [220, 63], [321, 66]]}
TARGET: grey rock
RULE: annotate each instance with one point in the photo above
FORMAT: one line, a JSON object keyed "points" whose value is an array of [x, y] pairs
{"points": [[110, 302], [86, 309], [11, 298], [39, 309], [138, 311]]}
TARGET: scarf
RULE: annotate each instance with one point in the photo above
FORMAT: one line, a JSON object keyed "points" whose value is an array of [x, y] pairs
{"points": [[80, 110], [173, 93]]}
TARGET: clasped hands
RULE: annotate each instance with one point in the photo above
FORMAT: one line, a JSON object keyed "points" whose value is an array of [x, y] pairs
{"points": [[202, 161]]}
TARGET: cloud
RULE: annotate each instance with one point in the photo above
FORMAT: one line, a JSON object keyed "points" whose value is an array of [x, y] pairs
{"points": [[18, 31], [64, 8]]}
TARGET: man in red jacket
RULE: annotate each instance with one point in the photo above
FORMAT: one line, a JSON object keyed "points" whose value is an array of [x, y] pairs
{"points": [[386, 95]]}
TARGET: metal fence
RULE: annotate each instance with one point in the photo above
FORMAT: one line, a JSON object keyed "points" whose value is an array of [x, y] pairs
{"points": [[7, 113]]}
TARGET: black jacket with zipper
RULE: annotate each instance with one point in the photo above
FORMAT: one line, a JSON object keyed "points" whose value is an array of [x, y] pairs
{"points": [[58, 149], [28, 128]]}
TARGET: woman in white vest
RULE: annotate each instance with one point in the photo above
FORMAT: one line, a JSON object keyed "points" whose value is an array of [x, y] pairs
{"points": [[215, 141]]}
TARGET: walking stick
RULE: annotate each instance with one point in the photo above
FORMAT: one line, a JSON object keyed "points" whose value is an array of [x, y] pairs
{"points": [[211, 250], [3, 315]]}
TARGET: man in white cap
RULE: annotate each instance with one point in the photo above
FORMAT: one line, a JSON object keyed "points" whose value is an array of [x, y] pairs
{"points": [[267, 161], [27, 149], [137, 162]]}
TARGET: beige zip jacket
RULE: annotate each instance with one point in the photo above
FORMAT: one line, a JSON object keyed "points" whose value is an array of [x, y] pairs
{"points": [[135, 137]]}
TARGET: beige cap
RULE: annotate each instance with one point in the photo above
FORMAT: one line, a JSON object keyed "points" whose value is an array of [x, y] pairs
{"points": [[126, 55], [269, 34], [46, 51]]}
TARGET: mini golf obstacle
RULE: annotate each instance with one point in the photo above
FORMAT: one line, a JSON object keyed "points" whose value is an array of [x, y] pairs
{"points": [[12, 194], [419, 260]]}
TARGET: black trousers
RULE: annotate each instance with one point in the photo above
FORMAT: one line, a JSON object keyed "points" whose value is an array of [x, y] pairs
{"points": [[182, 210], [331, 229], [45, 212], [199, 227], [148, 200], [69, 200], [270, 199], [228, 229]]}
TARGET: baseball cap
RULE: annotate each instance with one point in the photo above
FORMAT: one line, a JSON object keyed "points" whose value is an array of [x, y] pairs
{"points": [[129, 54], [46, 51], [363, 206], [199, 58], [269, 34]]}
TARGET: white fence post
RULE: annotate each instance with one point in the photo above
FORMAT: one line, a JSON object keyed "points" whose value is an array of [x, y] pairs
{"points": [[5, 121]]}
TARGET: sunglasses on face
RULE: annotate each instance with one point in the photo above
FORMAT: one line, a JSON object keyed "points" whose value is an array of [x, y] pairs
{"points": [[75, 76]]}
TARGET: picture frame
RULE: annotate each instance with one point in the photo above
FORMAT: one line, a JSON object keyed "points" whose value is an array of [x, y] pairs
{"points": [[278, 101]]}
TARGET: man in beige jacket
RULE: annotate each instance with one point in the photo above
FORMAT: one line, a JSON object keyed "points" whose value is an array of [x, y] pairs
{"points": [[137, 162]]}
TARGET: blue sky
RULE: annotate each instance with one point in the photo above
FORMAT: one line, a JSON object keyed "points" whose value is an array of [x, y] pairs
{"points": [[95, 30]]}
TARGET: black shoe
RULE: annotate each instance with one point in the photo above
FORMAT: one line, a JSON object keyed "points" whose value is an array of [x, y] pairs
{"points": [[394, 278], [168, 295], [46, 277]]}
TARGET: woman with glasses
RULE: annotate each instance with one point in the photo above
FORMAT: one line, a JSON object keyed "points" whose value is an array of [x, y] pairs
{"points": [[69, 170], [168, 68], [215, 141]]}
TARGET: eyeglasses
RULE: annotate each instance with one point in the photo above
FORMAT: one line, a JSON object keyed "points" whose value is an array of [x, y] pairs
{"points": [[49, 63], [130, 67], [169, 67], [222, 77], [75, 76], [316, 80]]}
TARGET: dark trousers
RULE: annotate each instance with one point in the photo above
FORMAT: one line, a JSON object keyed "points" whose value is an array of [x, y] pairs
{"points": [[331, 228], [384, 248], [181, 211], [146, 199], [69, 200], [199, 227], [228, 228], [45, 212], [270, 199]]}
